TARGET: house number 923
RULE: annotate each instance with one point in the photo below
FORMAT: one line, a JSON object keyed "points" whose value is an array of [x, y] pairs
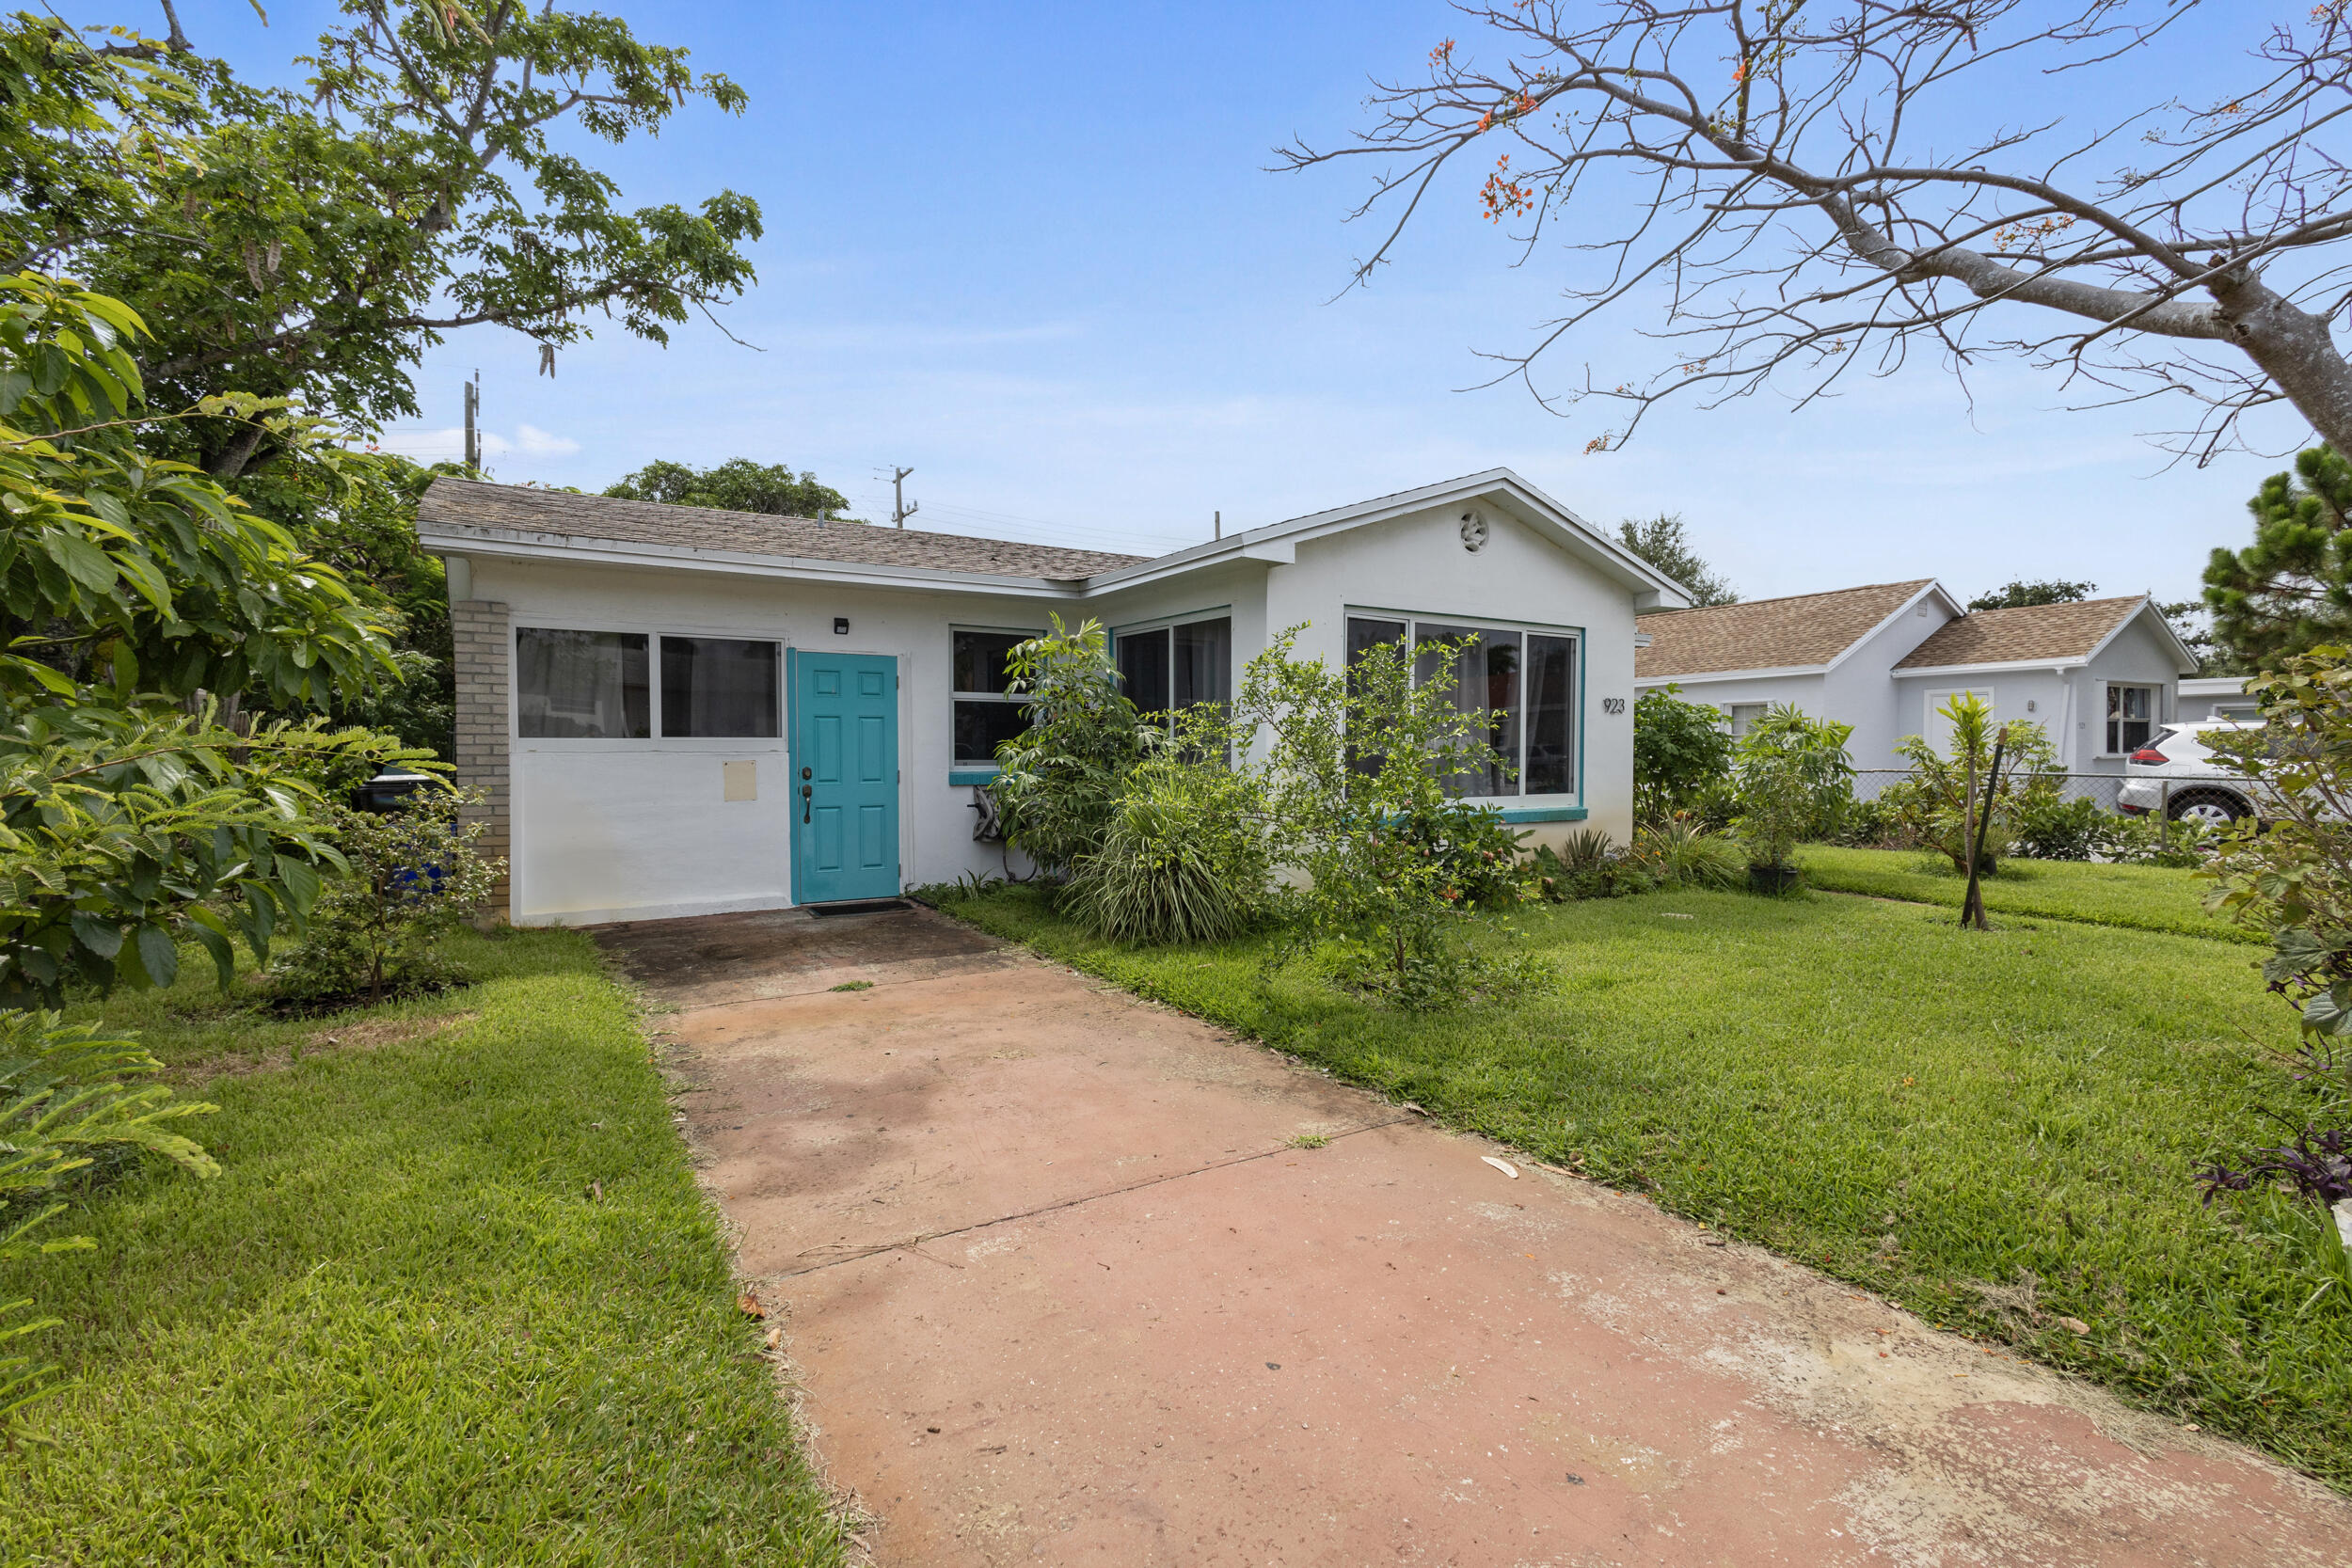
{"points": [[1612, 704]]}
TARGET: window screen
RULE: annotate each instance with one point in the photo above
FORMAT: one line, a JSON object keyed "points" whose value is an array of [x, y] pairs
{"points": [[987, 715], [1551, 715], [581, 685], [716, 686], [1143, 663], [1203, 663], [1487, 677]]}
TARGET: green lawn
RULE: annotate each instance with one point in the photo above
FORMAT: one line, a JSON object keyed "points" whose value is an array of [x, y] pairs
{"points": [[2141, 897], [453, 1299], [1932, 1113]]}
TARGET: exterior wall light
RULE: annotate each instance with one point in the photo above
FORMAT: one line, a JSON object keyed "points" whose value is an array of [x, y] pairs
{"points": [[841, 626]]}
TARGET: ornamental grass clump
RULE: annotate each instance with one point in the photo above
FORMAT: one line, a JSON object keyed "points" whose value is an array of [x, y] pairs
{"points": [[1183, 858]]}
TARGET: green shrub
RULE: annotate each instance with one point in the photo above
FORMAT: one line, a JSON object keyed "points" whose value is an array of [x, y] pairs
{"points": [[70, 1095], [376, 931], [1794, 781], [1184, 858], [1481, 860], [1681, 750], [1061, 782]]}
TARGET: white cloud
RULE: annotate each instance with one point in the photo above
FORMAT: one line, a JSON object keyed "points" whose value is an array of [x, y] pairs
{"points": [[534, 442], [449, 446]]}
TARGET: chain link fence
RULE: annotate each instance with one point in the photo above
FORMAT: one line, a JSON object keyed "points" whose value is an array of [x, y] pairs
{"points": [[2101, 787]]}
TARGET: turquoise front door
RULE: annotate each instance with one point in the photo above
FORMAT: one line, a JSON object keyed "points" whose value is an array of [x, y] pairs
{"points": [[844, 777]]}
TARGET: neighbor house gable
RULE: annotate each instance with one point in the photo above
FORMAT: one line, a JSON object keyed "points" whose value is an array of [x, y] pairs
{"points": [[1801, 634], [2039, 636]]}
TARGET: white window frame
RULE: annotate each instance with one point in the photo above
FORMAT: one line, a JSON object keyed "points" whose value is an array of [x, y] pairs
{"points": [[1580, 718], [2154, 719], [956, 764], [655, 739], [1166, 626], [1731, 716]]}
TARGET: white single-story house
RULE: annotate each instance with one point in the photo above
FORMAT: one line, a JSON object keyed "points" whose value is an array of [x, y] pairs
{"points": [[677, 710], [2097, 674]]}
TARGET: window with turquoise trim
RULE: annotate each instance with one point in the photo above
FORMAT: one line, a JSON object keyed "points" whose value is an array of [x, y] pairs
{"points": [[1524, 681], [987, 714]]}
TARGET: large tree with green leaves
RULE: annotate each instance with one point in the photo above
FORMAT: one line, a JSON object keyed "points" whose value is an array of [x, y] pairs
{"points": [[1664, 542], [313, 246], [2291, 590], [738, 484]]}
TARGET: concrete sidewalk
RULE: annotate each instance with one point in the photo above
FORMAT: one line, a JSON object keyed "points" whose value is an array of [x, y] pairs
{"points": [[1063, 1285]]}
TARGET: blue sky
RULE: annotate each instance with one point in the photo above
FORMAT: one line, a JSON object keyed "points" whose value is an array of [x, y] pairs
{"points": [[1032, 252]]}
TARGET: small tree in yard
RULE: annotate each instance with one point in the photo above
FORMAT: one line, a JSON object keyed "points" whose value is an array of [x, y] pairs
{"points": [[415, 876], [1960, 804], [1352, 761]]}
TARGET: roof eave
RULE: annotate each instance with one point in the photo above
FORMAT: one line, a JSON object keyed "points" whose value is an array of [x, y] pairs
{"points": [[452, 539], [1764, 672], [2062, 662]]}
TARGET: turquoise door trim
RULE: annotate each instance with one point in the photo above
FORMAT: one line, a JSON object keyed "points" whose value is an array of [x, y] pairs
{"points": [[845, 755]]}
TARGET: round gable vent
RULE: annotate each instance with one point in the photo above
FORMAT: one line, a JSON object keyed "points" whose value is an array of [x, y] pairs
{"points": [[1473, 532]]}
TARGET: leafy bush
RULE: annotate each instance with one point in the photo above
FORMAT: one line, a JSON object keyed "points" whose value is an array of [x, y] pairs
{"points": [[1680, 749], [1061, 782], [1678, 853], [1794, 781], [375, 932], [1479, 858], [69, 1094], [2051, 828], [1184, 858]]}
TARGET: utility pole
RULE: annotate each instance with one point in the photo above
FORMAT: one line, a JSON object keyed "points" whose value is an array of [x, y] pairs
{"points": [[900, 509], [1219, 515], [473, 414]]}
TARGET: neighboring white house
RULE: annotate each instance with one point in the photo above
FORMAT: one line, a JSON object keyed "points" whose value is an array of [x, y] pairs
{"points": [[2098, 675], [2216, 697], [675, 710]]}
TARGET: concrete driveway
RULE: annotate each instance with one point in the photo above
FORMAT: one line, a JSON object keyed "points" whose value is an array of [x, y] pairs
{"points": [[1071, 1278]]}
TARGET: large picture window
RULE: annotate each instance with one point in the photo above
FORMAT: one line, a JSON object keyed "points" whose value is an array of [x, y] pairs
{"points": [[1168, 669], [581, 685], [987, 715], [1524, 681], [719, 686]]}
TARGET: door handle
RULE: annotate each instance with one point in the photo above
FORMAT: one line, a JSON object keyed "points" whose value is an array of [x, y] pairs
{"points": [[806, 792]]}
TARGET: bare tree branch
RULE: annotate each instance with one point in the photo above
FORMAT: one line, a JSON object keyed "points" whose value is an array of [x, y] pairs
{"points": [[1785, 226]]}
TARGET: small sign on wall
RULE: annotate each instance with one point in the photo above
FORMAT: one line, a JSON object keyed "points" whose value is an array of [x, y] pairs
{"points": [[738, 781]]}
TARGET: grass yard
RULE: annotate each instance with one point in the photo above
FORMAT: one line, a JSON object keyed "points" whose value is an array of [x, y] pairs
{"points": [[1997, 1128], [2137, 898], [455, 1299]]}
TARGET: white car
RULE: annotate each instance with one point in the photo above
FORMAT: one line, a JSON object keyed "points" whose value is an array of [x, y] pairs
{"points": [[2178, 774]]}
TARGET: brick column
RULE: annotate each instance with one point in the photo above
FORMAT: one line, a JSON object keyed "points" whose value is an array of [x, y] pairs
{"points": [[483, 647]]}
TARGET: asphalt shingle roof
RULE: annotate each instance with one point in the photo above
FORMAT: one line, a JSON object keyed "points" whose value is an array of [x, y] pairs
{"points": [[1802, 631], [516, 508], [2009, 636]]}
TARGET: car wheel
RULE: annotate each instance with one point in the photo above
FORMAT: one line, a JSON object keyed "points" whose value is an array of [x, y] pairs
{"points": [[2207, 806]]}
